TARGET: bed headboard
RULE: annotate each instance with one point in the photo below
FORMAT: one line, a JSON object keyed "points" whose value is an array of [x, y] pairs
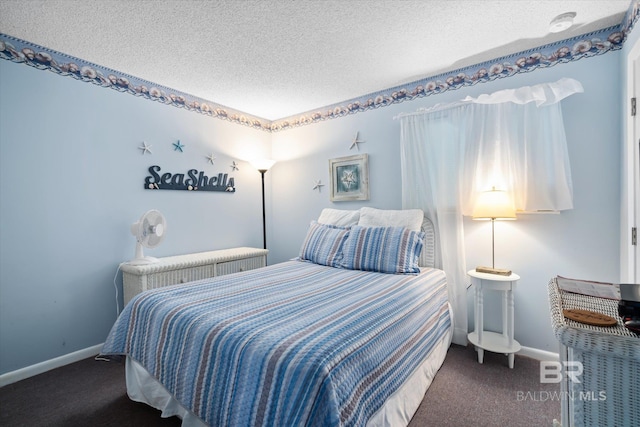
{"points": [[428, 254]]}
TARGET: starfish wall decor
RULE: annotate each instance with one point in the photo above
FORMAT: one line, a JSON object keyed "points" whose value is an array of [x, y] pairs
{"points": [[145, 148], [177, 146], [355, 142]]}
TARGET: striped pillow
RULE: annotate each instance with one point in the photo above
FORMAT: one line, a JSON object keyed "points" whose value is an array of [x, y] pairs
{"points": [[323, 244], [382, 249]]}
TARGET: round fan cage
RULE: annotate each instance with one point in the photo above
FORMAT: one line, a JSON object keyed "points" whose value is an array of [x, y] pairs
{"points": [[149, 231]]}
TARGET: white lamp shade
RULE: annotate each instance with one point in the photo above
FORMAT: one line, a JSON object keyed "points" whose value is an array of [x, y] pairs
{"points": [[494, 204], [262, 164]]}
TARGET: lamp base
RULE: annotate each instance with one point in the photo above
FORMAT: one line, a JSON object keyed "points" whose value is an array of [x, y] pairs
{"points": [[491, 270]]}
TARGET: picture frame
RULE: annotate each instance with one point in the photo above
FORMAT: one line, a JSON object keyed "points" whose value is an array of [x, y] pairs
{"points": [[349, 178]]}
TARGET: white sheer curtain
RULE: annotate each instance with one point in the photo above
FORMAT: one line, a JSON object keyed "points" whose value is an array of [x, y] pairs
{"points": [[432, 148], [513, 140]]}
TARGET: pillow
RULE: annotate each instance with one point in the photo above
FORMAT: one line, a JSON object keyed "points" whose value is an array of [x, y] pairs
{"points": [[410, 218], [323, 244], [339, 217], [382, 249]]}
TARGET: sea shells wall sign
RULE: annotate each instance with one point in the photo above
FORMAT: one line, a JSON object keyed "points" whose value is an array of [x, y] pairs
{"points": [[193, 180]]}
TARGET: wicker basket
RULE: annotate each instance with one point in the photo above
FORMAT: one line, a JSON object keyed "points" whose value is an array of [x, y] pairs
{"points": [[608, 393]]}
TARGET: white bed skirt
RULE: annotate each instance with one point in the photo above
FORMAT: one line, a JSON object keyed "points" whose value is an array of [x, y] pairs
{"points": [[396, 412], [142, 387]]}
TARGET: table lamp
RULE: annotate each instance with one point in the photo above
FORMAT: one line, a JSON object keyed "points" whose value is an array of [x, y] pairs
{"points": [[493, 205]]}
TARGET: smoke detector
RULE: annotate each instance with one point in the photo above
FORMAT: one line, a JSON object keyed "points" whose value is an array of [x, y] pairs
{"points": [[562, 22]]}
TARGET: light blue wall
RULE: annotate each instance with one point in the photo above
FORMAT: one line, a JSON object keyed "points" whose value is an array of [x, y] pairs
{"points": [[580, 243], [71, 178], [71, 184]]}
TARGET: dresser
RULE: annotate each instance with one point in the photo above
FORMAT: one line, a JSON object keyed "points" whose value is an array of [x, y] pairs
{"points": [[599, 373], [189, 267]]}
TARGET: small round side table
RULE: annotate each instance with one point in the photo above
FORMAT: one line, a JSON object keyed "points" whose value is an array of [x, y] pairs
{"points": [[493, 341]]}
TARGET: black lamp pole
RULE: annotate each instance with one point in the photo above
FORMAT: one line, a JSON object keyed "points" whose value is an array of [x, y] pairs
{"points": [[263, 165], [264, 223]]}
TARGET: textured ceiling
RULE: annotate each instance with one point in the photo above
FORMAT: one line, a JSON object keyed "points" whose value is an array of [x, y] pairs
{"points": [[278, 58]]}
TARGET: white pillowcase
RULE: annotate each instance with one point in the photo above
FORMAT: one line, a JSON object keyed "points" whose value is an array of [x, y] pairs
{"points": [[409, 218], [341, 218]]}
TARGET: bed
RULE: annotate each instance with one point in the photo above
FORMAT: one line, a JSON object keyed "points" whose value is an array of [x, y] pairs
{"points": [[332, 338]]}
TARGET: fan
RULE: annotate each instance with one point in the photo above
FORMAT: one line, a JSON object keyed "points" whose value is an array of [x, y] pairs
{"points": [[149, 232]]}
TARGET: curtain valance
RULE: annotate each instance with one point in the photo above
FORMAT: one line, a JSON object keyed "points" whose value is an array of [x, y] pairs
{"points": [[542, 94]]}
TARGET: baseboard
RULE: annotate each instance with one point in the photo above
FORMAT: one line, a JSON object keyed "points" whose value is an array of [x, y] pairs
{"points": [[459, 336], [47, 365], [537, 354]]}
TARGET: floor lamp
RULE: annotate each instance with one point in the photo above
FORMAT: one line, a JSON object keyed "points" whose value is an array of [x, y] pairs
{"points": [[493, 205], [263, 165]]}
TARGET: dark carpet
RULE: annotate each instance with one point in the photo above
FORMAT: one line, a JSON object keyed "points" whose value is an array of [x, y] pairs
{"points": [[463, 393]]}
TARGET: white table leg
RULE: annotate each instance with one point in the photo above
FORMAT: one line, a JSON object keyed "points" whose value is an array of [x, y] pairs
{"points": [[510, 331], [479, 312], [505, 316], [479, 320]]}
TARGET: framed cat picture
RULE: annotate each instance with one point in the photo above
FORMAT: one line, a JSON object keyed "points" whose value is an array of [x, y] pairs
{"points": [[349, 178]]}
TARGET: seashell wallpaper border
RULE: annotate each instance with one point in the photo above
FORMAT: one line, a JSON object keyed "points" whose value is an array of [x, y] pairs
{"points": [[584, 46]]}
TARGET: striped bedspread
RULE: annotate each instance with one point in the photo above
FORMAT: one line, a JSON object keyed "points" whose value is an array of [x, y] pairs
{"points": [[292, 344]]}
